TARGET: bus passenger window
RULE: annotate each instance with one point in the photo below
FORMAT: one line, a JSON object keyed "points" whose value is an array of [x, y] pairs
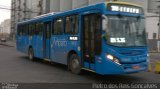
{"points": [[71, 25], [37, 29], [75, 24], [18, 30], [30, 30], [58, 26], [53, 28], [33, 28], [26, 29], [41, 29], [68, 29]]}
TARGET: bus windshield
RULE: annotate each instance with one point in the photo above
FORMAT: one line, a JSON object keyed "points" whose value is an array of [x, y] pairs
{"points": [[125, 31]]}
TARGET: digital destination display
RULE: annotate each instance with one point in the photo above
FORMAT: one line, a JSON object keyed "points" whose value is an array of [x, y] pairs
{"points": [[124, 8]]}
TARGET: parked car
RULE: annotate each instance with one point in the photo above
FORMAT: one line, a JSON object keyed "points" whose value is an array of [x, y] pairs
{"points": [[3, 40]]}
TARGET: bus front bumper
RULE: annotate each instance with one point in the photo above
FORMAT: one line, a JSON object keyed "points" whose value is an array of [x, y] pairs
{"points": [[108, 67]]}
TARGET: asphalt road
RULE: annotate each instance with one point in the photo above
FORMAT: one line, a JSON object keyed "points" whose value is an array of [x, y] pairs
{"points": [[15, 67]]}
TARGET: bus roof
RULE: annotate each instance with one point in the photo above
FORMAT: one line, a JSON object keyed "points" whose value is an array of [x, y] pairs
{"points": [[75, 10], [59, 13]]}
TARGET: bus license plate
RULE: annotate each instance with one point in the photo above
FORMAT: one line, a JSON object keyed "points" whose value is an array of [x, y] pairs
{"points": [[136, 67]]}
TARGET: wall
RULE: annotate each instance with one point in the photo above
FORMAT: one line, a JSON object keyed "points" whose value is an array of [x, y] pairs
{"points": [[54, 5], [79, 3], [96, 1], [65, 5], [153, 6], [152, 24], [5, 26]]}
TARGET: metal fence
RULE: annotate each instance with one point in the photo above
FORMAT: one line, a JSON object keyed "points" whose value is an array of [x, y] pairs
{"points": [[154, 45]]}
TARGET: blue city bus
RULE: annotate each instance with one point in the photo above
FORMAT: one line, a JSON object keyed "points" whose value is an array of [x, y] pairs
{"points": [[105, 38]]}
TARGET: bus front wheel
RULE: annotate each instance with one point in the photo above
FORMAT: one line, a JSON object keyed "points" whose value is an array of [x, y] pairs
{"points": [[31, 54], [75, 66]]}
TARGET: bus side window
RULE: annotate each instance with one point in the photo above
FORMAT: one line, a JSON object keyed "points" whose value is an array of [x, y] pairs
{"points": [[41, 29], [37, 29], [71, 25], [21, 30], [52, 27], [30, 29], [68, 29], [58, 26], [33, 28], [26, 29], [18, 30], [75, 24], [98, 29]]}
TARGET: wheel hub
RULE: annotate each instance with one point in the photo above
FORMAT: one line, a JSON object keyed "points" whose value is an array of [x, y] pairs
{"points": [[75, 63]]}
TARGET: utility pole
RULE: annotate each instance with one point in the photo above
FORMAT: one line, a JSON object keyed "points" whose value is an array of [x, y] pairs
{"points": [[111, 0], [0, 32], [159, 24], [159, 21]]}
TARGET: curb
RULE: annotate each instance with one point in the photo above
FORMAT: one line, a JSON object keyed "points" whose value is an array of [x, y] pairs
{"points": [[150, 67], [157, 67], [7, 45]]}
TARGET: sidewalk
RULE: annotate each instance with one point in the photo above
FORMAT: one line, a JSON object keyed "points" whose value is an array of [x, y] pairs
{"points": [[8, 43], [154, 58], [11, 43]]}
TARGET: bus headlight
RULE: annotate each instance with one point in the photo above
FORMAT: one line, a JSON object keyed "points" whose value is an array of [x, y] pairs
{"points": [[148, 58], [112, 58]]}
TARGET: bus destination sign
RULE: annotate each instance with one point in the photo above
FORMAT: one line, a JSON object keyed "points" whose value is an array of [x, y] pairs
{"points": [[124, 8]]}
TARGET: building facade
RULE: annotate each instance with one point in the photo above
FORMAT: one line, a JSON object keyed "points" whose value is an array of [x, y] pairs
{"points": [[5, 28]]}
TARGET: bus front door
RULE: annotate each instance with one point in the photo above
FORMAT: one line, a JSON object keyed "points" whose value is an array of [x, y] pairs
{"points": [[46, 40], [91, 39]]}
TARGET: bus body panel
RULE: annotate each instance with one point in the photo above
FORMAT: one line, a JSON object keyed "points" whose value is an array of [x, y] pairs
{"points": [[39, 47], [127, 64], [64, 46]]}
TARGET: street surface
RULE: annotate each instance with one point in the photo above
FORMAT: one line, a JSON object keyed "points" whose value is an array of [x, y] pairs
{"points": [[15, 67]]}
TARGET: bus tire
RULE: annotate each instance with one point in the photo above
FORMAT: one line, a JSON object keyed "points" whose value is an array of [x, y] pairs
{"points": [[74, 64], [31, 54]]}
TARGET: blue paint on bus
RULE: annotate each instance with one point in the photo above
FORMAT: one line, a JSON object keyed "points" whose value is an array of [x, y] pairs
{"points": [[56, 48]]}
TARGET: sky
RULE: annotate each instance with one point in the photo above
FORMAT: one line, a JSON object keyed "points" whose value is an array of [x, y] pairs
{"points": [[5, 14]]}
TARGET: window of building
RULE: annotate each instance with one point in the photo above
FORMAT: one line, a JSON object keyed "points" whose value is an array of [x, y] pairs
{"points": [[154, 35], [58, 27]]}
